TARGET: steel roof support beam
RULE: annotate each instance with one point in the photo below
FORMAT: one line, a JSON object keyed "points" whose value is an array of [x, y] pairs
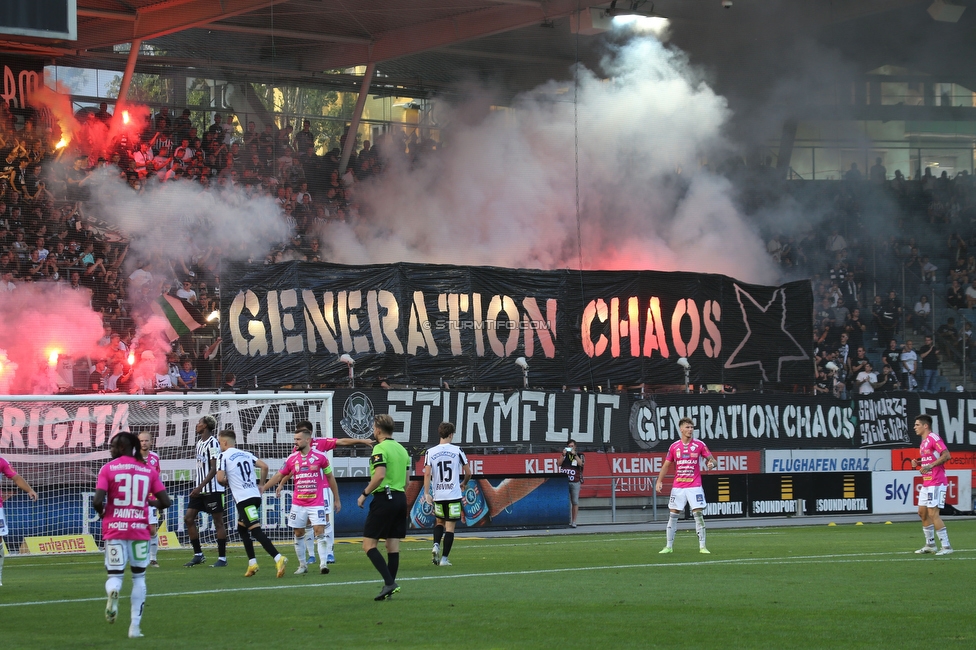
{"points": [[357, 114], [130, 68]]}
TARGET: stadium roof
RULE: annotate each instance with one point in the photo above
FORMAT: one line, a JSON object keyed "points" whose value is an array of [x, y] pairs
{"points": [[512, 44]]}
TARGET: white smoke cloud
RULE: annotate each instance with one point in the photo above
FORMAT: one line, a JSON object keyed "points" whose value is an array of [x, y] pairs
{"points": [[503, 191], [162, 220]]}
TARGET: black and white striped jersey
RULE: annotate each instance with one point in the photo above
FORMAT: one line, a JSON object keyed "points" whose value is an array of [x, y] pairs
{"points": [[208, 450]]}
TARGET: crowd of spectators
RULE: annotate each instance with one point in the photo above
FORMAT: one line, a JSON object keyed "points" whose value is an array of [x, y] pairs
{"points": [[859, 269], [49, 234], [892, 277]]}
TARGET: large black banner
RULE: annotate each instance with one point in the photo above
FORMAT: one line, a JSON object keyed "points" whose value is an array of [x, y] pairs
{"points": [[426, 324]]}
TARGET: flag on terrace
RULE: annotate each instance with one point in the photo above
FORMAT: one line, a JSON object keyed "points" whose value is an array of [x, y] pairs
{"points": [[181, 318]]}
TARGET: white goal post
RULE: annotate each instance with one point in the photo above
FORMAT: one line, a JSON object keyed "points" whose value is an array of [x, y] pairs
{"points": [[59, 442]]}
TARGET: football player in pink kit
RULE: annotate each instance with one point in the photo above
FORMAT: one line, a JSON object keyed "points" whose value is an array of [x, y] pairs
{"points": [[8, 471], [685, 455], [125, 486], [152, 459], [325, 445], [312, 473], [931, 498]]}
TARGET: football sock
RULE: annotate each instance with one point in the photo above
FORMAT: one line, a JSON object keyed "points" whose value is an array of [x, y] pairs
{"points": [[393, 560], [153, 547], [222, 548], [929, 534], [672, 527], [448, 543], [376, 558], [114, 583], [300, 550], [943, 537], [700, 528], [320, 544], [330, 537], [438, 533], [309, 542], [195, 543], [138, 598], [248, 542], [1, 560], [262, 537]]}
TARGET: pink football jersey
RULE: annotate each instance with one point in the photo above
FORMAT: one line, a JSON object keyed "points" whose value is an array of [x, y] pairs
{"points": [[687, 471], [7, 471], [128, 485], [309, 472], [930, 449]]}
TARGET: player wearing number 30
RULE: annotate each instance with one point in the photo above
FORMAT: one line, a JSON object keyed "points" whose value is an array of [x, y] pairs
{"points": [[444, 486], [125, 486], [236, 469], [685, 455]]}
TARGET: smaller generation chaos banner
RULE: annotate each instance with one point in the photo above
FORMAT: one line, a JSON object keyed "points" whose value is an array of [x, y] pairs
{"points": [[424, 324]]}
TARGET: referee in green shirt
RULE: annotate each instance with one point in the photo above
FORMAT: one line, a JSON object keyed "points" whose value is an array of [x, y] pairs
{"points": [[387, 518]]}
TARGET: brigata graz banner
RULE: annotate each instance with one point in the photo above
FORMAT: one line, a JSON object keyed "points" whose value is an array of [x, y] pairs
{"points": [[424, 324]]}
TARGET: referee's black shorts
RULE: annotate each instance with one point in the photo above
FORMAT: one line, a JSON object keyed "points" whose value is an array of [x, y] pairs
{"points": [[387, 517]]}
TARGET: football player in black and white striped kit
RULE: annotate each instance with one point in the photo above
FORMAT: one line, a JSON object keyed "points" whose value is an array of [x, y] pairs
{"points": [[208, 495], [444, 466], [243, 473]]}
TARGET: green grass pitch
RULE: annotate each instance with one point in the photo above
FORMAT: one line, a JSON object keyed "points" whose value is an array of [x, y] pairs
{"points": [[801, 587]]}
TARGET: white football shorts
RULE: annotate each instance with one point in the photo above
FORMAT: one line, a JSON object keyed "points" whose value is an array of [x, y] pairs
{"points": [[932, 496], [302, 516], [694, 497], [119, 552]]}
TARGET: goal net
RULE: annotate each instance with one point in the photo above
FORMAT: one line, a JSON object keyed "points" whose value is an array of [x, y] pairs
{"points": [[58, 443]]}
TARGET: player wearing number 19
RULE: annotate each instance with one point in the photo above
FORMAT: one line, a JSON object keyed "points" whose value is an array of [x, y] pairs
{"points": [[443, 488], [236, 470], [125, 486]]}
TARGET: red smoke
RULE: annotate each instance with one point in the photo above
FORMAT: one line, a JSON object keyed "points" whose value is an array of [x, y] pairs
{"points": [[37, 320], [92, 137]]}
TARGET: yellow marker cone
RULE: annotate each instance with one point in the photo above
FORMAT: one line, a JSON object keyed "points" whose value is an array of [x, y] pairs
{"points": [[831, 524], [887, 523], [860, 523]]}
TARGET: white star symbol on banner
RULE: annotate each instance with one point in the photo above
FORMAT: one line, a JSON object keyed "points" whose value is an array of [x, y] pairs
{"points": [[766, 348]]}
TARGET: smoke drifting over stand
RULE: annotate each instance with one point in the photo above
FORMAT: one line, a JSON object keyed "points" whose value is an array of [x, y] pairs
{"points": [[503, 191]]}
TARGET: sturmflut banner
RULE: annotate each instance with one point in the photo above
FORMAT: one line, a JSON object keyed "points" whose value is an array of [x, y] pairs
{"points": [[544, 421], [421, 324]]}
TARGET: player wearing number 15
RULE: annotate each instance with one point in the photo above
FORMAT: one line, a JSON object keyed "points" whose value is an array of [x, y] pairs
{"points": [[446, 474], [125, 486], [237, 469]]}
